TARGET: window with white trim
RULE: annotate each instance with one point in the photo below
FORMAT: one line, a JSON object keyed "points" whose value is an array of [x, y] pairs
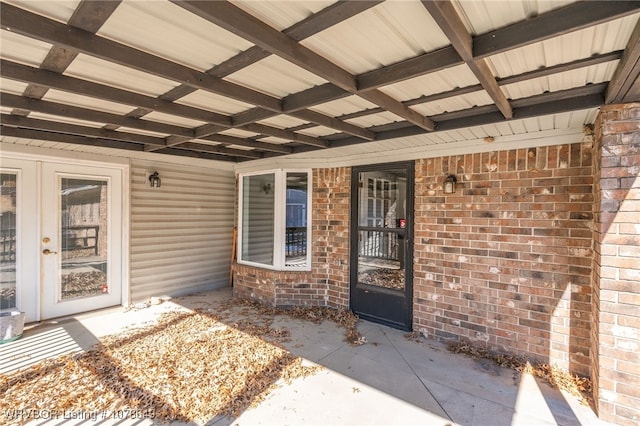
{"points": [[274, 224]]}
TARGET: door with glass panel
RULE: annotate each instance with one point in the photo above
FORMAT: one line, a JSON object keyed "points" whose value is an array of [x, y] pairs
{"points": [[381, 243], [81, 239]]}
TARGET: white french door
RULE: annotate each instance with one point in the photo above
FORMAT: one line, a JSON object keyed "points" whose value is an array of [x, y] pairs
{"points": [[80, 247], [62, 237]]}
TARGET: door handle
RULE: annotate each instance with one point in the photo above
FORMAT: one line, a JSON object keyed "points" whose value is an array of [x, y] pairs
{"points": [[47, 252]]}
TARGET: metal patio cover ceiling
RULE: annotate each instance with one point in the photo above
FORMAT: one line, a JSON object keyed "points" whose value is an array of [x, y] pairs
{"points": [[249, 80]]}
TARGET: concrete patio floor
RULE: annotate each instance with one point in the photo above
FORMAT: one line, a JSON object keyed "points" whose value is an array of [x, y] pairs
{"points": [[390, 380]]}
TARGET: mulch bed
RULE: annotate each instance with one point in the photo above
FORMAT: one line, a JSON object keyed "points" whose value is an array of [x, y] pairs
{"points": [[188, 367]]}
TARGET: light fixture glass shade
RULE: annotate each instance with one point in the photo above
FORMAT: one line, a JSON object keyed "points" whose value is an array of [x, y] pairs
{"points": [[449, 186], [154, 180]]}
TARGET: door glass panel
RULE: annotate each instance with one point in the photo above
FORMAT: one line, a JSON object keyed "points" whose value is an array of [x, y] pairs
{"points": [[83, 232], [8, 195], [381, 244]]}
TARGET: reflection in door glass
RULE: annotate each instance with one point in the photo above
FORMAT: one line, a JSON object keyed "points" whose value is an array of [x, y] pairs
{"points": [[381, 250], [83, 233], [8, 194]]}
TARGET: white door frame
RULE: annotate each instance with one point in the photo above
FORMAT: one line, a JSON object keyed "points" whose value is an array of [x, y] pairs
{"points": [[28, 294]]}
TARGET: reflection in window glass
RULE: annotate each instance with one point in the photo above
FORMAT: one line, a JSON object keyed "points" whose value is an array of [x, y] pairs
{"points": [[83, 231], [8, 194], [296, 220], [258, 203]]}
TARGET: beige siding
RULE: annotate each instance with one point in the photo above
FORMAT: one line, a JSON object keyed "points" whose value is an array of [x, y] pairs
{"points": [[181, 232]]}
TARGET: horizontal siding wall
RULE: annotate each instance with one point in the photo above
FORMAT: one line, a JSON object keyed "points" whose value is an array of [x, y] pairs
{"points": [[181, 233]]}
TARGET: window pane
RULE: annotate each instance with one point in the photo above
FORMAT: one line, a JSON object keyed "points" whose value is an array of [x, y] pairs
{"points": [[296, 221], [258, 218], [8, 240]]}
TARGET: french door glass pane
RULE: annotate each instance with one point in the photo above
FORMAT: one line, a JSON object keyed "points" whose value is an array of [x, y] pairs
{"points": [[296, 220], [258, 203], [8, 195], [381, 250], [83, 233]]}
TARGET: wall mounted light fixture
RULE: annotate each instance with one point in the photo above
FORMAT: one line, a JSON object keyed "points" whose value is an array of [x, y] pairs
{"points": [[266, 188], [154, 180], [449, 186]]}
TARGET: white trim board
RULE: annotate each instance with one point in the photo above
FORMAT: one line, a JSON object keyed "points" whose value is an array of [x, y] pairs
{"points": [[320, 159]]}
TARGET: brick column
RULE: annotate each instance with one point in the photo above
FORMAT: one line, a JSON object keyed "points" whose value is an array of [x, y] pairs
{"points": [[616, 270]]}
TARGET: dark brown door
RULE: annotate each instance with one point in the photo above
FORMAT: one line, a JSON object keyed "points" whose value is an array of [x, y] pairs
{"points": [[381, 243]]}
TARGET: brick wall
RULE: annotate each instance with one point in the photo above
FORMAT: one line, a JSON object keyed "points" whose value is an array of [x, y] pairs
{"points": [[327, 284], [506, 261], [616, 278]]}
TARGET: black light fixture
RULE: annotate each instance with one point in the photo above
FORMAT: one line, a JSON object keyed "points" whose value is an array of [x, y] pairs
{"points": [[449, 186], [266, 188], [154, 180]]}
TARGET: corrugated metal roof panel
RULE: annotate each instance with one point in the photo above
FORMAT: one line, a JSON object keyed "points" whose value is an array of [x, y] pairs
{"points": [[561, 81], [239, 133], [385, 34], [170, 31], [172, 119], [454, 103], [109, 73], [282, 121], [272, 139], [601, 38], [482, 16], [60, 10], [282, 14], [67, 120], [142, 132], [276, 77], [428, 84], [212, 102], [317, 131], [12, 86], [347, 105], [375, 119], [22, 49], [67, 98]]}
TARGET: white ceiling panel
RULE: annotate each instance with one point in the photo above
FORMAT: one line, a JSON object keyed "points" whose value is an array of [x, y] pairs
{"points": [[281, 14], [141, 132], [429, 84], [167, 30], [318, 131], [342, 106], [239, 133], [276, 77], [161, 117], [67, 98], [213, 102], [387, 33], [60, 10], [272, 139], [561, 81], [570, 47], [104, 72], [454, 103], [379, 119], [22, 49], [282, 121], [66, 120], [482, 16], [12, 86]]}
